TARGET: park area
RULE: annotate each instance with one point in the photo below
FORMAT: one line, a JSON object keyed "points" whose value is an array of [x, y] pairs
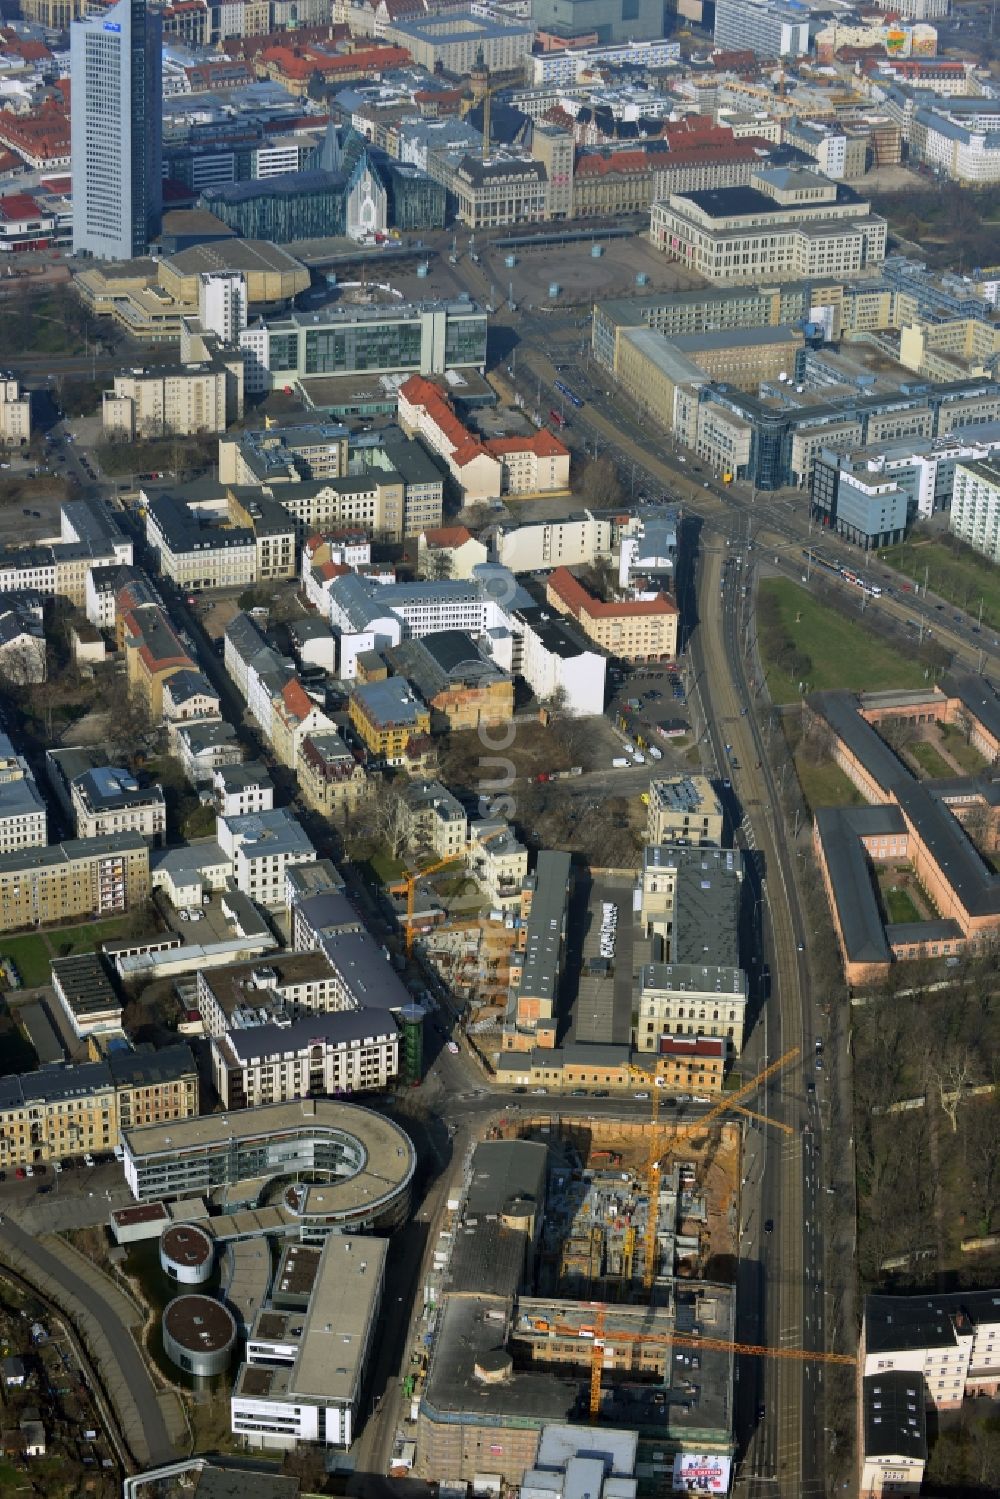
{"points": [[808, 646], [953, 571], [32, 952]]}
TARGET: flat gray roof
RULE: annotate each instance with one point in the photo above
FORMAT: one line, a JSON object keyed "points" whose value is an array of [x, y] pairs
{"points": [[543, 946], [504, 1169]]}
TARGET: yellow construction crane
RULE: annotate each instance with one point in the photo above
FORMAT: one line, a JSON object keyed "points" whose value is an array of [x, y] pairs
{"points": [[598, 1343], [654, 1165], [409, 884]]}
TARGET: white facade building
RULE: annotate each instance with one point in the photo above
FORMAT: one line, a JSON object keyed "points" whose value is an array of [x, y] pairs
{"points": [[302, 1382], [23, 815], [262, 846], [975, 507], [579, 540]]}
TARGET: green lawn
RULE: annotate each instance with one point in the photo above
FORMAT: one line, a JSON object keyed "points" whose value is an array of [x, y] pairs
{"points": [[69, 940], [929, 760], [954, 742], [962, 577], [842, 652], [30, 957], [899, 906], [825, 784], [385, 867]]}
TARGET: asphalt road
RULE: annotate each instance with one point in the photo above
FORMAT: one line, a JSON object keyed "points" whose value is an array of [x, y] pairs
{"points": [[784, 1450]]}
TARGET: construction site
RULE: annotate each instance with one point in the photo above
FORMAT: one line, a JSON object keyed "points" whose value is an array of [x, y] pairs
{"points": [[602, 1221], [575, 1276]]}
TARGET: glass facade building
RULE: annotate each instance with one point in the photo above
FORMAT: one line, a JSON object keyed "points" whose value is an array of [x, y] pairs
{"points": [[419, 338], [295, 205], [117, 131]]}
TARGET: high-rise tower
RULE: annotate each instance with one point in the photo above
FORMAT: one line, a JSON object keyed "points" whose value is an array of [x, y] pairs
{"points": [[117, 130]]}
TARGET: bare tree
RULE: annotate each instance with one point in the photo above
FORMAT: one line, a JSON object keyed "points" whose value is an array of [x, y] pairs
{"points": [[438, 564], [951, 1075], [391, 821], [600, 484], [23, 664]]}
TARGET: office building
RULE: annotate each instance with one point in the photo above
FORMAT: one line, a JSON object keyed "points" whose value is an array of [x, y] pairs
{"points": [[685, 1000], [364, 1161], [684, 809], [305, 1366], [975, 507], [387, 715], [117, 126], [600, 22], [766, 27], [333, 1054], [262, 845], [790, 222], [396, 338], [457, 41]]}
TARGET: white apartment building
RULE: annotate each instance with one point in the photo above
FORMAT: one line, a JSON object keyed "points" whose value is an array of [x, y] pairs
{"points": [[689, 999], [975, 507], [262, 846], [554, 660], [579, 540], [15, 412], [242, 789], [916, 10], [331, 1054], [790, 222], [222, 302], [952, 1339], [893, 1430], [370, 616], [199, 552], [303, 1374], [498, 861], [23, 814], [566, 65], [174, 400]]}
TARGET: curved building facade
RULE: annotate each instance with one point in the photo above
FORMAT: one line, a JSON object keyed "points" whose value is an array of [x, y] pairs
{"points": [[187, 1254], [199, 1335], [355, 1166]]}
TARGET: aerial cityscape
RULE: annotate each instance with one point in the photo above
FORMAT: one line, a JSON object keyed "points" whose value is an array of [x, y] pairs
{"points": [[499, 749]]}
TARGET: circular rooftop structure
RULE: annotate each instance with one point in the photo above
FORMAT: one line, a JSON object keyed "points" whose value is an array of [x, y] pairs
{"points": [[199, 1334], [187, 1253]]}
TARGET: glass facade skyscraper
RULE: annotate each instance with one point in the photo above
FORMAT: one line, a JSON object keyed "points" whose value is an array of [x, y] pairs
{"points": [[117, 130]]}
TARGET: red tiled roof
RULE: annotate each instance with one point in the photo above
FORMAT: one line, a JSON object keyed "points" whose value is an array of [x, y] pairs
{"points": [[543, 444], [419, 391], [579, 601], [19, 206], [333, 569], [447, 536], [692, 1046], [293, 695]]}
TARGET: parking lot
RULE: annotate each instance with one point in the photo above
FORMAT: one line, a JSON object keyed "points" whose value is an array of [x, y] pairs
{"points": [[652, 698]]}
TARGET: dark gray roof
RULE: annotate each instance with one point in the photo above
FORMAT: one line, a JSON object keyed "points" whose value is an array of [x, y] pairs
{"points": [[957, 857], [894, 1324], [978, 697], [131, 1069], [898, 932], [487, 1259], [840, 709], [895, 1419], [858, 911], [706, 912], [335, 1028], [506, 1169]]}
